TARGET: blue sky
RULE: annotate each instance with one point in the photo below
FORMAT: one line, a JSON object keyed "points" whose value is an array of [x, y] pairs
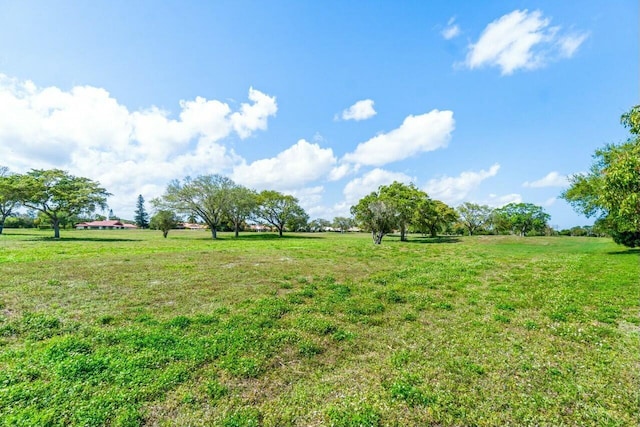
{"points": [[489, 102]]}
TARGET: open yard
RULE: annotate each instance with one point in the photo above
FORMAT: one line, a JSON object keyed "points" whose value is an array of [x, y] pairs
{"points": [[125, 328]]}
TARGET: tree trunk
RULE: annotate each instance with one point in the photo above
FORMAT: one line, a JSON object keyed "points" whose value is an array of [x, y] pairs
{"points": [[378, 238], [56, 228], [402, 232], [236, 229], [434, 231], [164, 233], [1, 225], [214, 233], [280, 231]]}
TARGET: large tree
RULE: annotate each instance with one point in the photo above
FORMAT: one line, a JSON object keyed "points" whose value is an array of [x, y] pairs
{"points": [[206, 197], [141, 217], [8, 195], [57, 194], [433, 216], [377, 215], [242, 203], [610, 191], [279, 209], [404, 199], [521, 218], [473, 216]]}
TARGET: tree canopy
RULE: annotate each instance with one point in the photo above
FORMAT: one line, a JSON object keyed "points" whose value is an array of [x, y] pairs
{"points": [[164, 221], [473, 216], [8, 197], [278, 210], [610, 190], [207, 197], [522, 218], [375, 214], [57, 194]]}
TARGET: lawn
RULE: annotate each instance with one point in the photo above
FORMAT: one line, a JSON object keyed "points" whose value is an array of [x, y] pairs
{"points": [[125, 328]]}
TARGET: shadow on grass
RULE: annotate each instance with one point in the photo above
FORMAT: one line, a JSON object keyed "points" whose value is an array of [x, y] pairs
{"points": [[260, 236], [77, 239], [630, 251], [439, 239]]}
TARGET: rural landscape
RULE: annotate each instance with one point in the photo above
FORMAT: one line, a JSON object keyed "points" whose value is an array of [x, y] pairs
{"points": [[502, 326], [319, 214]]}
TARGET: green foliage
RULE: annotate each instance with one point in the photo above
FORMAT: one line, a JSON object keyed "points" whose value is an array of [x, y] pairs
{"points": [[280, 210], [206, 197], [404, 200], [8, 195], [57, 194], [611, 189], [376, 215], [242, 204], [522, 218], [433, 216], [165, 221], [141, 217], [474, 216]]}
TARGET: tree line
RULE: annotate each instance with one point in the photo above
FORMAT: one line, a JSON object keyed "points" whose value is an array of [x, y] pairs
{"points": [[406, 208], [610, 191]]}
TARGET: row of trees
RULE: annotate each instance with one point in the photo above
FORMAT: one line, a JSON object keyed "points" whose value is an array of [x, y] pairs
{"points": [[610, 192], [217, 200], [405, 207]]}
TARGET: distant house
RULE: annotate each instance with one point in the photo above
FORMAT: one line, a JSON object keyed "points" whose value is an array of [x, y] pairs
{"points": [[103, 225], [190, 226]]}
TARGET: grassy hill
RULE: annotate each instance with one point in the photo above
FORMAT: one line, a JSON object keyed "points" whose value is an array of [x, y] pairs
{"points": [[125, 328]]}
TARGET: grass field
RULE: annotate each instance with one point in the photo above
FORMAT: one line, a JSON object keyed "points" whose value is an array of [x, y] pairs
{"points": [[125, 328]]}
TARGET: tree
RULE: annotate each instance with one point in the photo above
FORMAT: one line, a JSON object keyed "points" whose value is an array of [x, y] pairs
{"points": [[433, 216], [164, 220], [610, 190], [523, 217], [8, 195], [473, 216], [206, 197], [57, 194], [404, 199], [342, 223], [242, 204], [375, 214], [319, 224], [279, 209], [141, 217]]}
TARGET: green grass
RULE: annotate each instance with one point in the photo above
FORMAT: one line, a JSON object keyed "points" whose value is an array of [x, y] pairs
{"points": [[125, 328]]}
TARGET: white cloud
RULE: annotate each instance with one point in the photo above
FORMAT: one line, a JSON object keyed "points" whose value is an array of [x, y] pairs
{"points": [[360, 187], [569, 44], [361, 110], [453, 190], [521, 40], [452, 30], [500, 201], [89, 133], [552, 179], [254, 116], [426, 132], [550, 202], [299, 164], [340, 171]]}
